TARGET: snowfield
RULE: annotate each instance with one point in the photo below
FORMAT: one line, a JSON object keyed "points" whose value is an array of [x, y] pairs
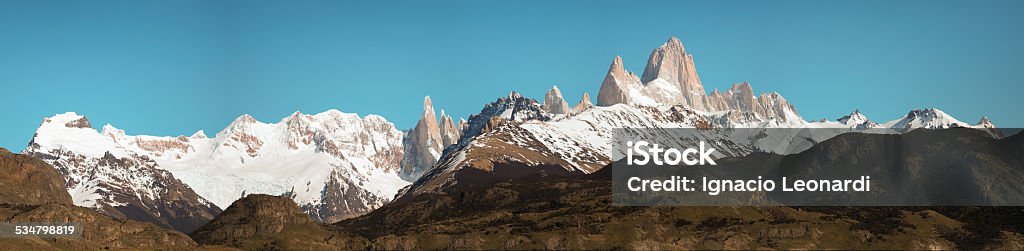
{"points": [[297, 156]]}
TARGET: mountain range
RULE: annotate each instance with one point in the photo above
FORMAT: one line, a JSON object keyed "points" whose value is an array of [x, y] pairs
{"points": [[337, 165]]}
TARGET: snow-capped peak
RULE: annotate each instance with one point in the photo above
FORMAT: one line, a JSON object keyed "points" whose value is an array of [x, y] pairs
{"points": [[855, 118], [63, 117], [111, 131], [514, 108], [294, 116], [308, 157], [985, 123], [246, 119], [329, 116], [513, 95], [242, 122], [199, 135], [930, 118], [68, 119], [69, 131]]}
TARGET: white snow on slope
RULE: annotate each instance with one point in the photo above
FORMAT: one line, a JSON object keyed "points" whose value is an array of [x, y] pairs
{"points": [[584, 140], [296, 156]]}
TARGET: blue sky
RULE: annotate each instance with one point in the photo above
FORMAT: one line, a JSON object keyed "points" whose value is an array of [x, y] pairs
{"points": [[174, 67]]}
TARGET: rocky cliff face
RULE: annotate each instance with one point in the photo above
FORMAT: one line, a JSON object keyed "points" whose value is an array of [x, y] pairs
{"points": [[512, 109], [258, 220], [463, 124], [450, 131], [39, 183], [618, 86], [670, 78], [33, 191], [265, 222], [670, 67], [583, 105], [554, 103], [99, 232], [423, 144]]}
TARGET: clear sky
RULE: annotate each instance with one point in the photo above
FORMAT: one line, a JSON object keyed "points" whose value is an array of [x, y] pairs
{"points": [[174, 67]]}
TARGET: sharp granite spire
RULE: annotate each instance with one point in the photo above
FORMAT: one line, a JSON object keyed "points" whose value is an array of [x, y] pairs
{"points": [[670, 78], [554, 103]]}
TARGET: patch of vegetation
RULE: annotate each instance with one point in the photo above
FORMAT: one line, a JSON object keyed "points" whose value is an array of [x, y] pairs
{"points": [[876, 220], [683, 223], [982, 225], [715, 223]]}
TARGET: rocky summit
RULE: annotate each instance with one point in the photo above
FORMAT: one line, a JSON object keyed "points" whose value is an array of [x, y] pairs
{"points": [[554, 103], [671, 67], [425, 142], [617, 85], [583, 105], [670, 78], [39, 182], [258, 221]]}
